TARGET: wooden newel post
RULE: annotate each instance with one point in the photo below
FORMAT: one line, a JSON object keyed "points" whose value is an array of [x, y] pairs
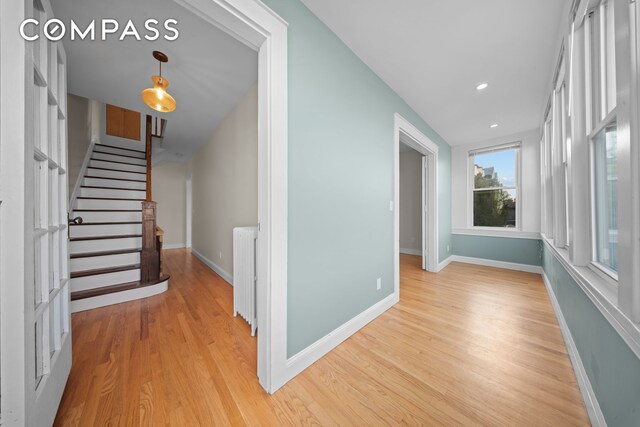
{"points": [[150, 256]]}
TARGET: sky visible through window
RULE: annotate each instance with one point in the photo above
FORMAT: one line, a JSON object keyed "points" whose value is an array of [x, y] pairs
{"points": [[503, 162]]}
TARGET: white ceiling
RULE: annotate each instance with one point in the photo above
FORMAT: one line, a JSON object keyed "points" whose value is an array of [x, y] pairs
{"points": [[208, 70], [434, 53]]}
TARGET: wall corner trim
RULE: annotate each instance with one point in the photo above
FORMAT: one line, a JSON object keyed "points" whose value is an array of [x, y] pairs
{"points": [[498, 264], [590, 401], [212, 265], [445, 263], [305, 358]]}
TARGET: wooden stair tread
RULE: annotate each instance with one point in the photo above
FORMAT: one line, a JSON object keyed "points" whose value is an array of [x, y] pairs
{"points": [[110, 198], [120, 163], [114, 170], [107, 270], [107, 223], [105, 253], [120, 148], [105, 290], [121, 155], [108, 210], [117, 236], [111, 188], [115, 179]]}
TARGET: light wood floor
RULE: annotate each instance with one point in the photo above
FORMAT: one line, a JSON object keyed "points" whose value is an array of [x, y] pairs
{"points": [[468, 346]]}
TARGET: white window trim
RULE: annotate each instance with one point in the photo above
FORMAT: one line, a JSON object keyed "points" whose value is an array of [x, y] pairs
{"points": [[587, 117], [610, 276], [602, 296], [517, 145]]}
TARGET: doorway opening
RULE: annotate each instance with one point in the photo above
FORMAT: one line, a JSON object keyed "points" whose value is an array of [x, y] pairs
{"points": [[415, 148], [413, 236]]}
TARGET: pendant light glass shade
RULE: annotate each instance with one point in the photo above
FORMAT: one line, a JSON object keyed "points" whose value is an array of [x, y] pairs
{"points": [[157, 97]]}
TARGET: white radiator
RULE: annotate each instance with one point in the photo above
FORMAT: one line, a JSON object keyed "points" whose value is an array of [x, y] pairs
{"points": [[244, 275]]}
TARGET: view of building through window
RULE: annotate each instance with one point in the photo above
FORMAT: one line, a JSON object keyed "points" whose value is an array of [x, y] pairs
{"points": [[495, 188]]}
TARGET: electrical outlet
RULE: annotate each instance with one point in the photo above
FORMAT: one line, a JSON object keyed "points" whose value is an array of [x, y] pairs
{"points": [[379, 283], [220, 254], [391, 205], [448, 249]]}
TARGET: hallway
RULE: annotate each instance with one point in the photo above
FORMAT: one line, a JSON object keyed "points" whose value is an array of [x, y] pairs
{"points": [[471, 345]]}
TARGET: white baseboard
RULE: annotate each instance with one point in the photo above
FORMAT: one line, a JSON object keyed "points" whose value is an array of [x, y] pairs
{"points": [[173, 246], [305, 358], [444, 263], [499, 264], [590, 401], [212, 265], [405, 251], [118, 297]]}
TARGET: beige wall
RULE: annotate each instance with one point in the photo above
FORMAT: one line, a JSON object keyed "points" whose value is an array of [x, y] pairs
{"points": [[411, 200], [225, 183], [168, 186], [79, 132]]}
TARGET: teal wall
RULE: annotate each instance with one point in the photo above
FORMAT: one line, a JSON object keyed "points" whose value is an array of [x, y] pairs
{"points": [[341, 180], [507, 249], [613, 369]]}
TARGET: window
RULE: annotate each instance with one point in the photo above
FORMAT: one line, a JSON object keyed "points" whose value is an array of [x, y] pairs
{"points": [[602, 130], [495, 186], [600, 62], [605, 199]]}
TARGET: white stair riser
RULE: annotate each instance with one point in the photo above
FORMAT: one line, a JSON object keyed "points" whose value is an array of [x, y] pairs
{"points": [[118, 158], [108, 216], [114, 174], [117, 166], [107, 204], [129, 185], [104, 230], [124, 143], [108, 192], [115, 150], [105, 261], [84, 246], [102, 280]]}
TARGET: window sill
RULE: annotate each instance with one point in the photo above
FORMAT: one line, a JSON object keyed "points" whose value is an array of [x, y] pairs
{"points": [[603, 296], [497, 232]]}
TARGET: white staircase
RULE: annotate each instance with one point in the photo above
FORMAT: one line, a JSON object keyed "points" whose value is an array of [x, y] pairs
{"points": [[105, 248]]}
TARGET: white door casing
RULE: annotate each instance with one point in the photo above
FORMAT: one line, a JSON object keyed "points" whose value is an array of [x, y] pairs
{"points": [[424, 211], [257, 26], [409, 135], [189, 210]]}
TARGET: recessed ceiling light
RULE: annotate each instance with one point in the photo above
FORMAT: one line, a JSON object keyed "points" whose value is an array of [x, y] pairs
{"points": [[495, 125], [482, 86]]}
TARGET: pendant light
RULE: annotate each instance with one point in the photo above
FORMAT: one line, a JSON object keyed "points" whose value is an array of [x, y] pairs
{"points": [[157, 97]]}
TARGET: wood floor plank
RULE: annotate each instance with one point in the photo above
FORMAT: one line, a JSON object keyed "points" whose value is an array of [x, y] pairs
{"points": [[468, 346]]}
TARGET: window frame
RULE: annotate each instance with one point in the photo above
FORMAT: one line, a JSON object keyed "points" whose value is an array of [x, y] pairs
{"points": [[610, 276], [599, 114], [618, 301], [517, 146]]}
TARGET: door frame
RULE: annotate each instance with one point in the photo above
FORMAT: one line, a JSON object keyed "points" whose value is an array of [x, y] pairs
{"points": [[188, 210], [408, 134], [27, 400], [254, 24]]}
